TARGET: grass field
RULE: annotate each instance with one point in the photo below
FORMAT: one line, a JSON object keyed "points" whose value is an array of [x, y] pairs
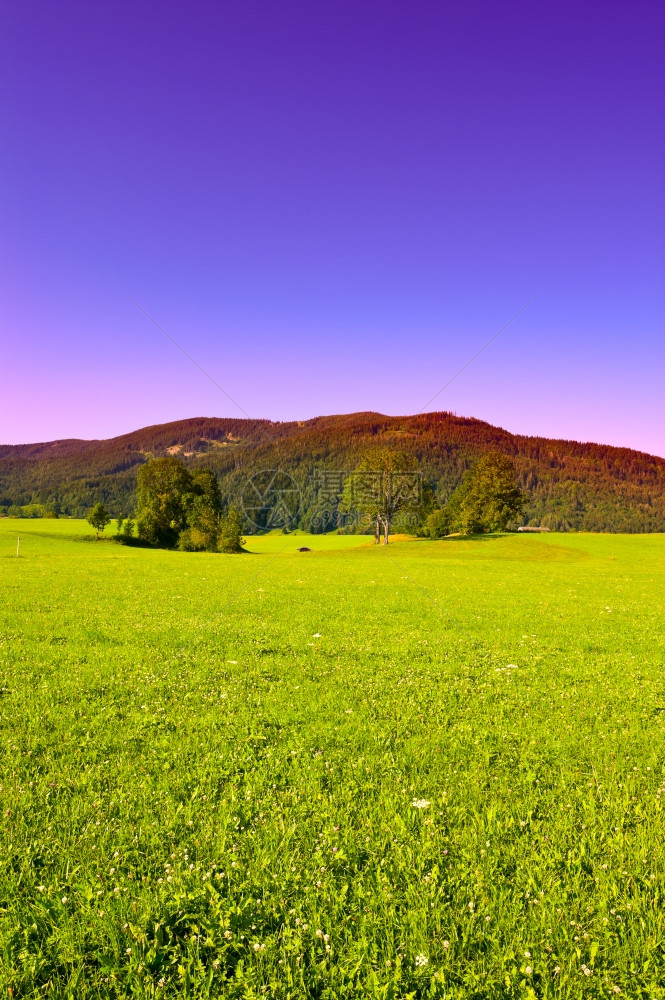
{"points": [[432, 770]]}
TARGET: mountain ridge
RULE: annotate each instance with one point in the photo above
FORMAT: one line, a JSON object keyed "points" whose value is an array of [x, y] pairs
{"points": [[571, 484]]}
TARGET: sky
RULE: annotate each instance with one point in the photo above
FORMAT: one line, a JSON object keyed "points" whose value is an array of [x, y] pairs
{"points": [[332, 207]]}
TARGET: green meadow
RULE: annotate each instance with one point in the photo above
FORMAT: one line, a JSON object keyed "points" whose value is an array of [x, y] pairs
{"points": [[428, 770]]}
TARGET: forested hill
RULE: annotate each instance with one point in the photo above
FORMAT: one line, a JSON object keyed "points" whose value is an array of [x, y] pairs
{"points": [[570, 485]]}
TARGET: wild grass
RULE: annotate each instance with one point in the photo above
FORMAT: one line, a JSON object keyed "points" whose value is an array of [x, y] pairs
{"points": [[209, 767]]}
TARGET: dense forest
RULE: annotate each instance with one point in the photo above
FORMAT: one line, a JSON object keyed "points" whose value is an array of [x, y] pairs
{"points": [[570, 486]]}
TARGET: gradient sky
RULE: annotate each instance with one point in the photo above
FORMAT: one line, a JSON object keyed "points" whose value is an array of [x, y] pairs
{"points": [[332, 207]]}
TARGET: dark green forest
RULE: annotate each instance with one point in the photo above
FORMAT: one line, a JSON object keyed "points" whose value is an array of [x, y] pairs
{"points": [[570, 485]]}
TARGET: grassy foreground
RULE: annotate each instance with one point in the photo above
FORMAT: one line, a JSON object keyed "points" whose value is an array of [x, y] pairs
{"points": [[429, 771]]}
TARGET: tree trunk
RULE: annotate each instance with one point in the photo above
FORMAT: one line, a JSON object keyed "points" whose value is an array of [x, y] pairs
{"points": [[386, 529], [377, 532]]}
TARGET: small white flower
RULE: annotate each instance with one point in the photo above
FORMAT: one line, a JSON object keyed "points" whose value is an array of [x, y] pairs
{"points": [[42, 888], [528, 970], [421, 960], [446, 945], [421, 803], [64, 899], [527, 954]]}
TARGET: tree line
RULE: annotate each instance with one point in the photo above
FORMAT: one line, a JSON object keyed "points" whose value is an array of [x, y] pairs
{"points": [[569, 485], [182, 508]]}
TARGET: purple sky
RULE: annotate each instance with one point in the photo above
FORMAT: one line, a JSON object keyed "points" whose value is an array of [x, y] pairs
{"points": [[332, 207]]}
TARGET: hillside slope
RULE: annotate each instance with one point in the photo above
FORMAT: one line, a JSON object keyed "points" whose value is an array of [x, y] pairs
{"points": [[571, 485]]}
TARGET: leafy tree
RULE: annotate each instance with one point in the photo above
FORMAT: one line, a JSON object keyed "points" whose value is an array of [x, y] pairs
{"points": [[439, 523], [179, 506], [118, 524], [204, 510], [488, 496], [99, 517], [164, 493], [230, 532], [385, 486], [15, 511]]}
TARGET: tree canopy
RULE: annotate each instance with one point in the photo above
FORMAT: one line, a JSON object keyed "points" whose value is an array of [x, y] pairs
{"points": [[164, 494], [487, 499], [99, 517], [179, 506], [386, 487]]}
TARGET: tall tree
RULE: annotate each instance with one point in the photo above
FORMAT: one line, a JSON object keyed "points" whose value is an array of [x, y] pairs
{"points": [[488, 497], [385, 486], [204, 511], [99, 517], [230, 532], [439, 523], [164, 492], [179, 506]]}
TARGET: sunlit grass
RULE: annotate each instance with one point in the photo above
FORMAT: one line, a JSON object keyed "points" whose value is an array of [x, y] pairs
{"points": [[209, 765]]}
